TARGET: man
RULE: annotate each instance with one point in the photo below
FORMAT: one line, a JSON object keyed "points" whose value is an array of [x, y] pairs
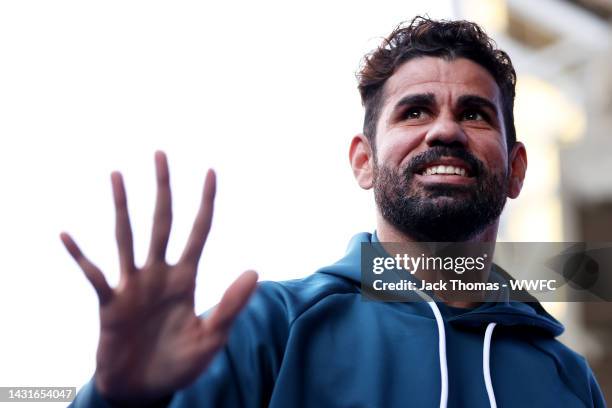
{"points": [[440, 151]]}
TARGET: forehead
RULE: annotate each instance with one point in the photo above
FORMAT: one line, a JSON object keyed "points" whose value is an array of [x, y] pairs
{"points": [[444, 78]]}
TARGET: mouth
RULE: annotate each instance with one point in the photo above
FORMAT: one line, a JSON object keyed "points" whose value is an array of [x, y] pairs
{"points": [[446, 170]]}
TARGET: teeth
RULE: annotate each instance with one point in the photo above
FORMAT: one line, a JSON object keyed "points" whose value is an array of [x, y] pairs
{"points": [[444, 170]]}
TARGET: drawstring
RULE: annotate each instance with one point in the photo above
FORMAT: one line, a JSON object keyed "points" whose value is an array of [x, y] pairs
{"points": [[486, 366], [486, 353], [442, 352]]}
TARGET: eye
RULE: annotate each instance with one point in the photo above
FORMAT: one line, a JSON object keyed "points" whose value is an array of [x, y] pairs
{"points": [[415, 113], [474, 115]]}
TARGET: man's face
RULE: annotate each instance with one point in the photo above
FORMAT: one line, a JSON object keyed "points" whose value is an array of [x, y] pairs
{"points": [[441, 161]]}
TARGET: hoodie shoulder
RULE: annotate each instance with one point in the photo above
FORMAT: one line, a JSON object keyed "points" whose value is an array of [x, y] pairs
{"points": [[244, 372], [574, 370], [292, 298]]}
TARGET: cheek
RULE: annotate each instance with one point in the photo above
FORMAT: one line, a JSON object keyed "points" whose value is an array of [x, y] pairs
{"points": [[394, 148], [495, 157], [490, 147]]}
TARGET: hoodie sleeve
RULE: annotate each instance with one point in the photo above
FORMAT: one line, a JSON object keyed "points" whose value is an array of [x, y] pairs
{"points": [[243, 372]]}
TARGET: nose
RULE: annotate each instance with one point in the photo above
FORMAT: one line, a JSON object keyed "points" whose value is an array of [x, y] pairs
{"points": [[445, 131]]}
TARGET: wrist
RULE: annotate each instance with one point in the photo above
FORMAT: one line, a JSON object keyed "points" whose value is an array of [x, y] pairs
{"points": [[124, 400]]}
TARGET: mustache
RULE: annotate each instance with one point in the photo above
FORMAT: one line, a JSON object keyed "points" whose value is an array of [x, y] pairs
{"points": [[421, 160]]}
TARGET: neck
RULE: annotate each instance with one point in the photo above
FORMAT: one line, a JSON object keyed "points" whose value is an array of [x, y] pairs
{"points": [[388, 233]]}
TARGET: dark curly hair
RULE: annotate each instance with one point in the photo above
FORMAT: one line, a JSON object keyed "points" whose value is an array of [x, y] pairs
{"points": [[444, 39]]}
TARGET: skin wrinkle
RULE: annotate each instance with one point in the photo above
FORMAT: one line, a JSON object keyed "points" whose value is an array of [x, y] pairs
{"points": [[397, 82], [446, 122], [402, 82]]}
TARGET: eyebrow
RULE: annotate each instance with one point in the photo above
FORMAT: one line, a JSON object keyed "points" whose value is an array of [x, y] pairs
{"points": [[429, 100], [475, 101], [424, 99]]}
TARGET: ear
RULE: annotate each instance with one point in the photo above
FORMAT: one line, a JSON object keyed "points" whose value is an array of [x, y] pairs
{"points": [[362, 161], [518, 167]]}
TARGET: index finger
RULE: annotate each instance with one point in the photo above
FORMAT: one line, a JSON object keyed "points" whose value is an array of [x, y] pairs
{"points": [[202, 223]]}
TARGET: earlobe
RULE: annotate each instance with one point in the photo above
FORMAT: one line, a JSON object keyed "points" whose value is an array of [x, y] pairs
{"points": [[518, 168], [361, 159]]}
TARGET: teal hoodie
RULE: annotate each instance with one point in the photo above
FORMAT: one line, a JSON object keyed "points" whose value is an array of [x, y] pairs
{"points": [[314, 342]]}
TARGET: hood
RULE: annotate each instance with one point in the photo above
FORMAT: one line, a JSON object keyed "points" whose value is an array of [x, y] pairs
{"points": [[521, 316], [505, 312]]}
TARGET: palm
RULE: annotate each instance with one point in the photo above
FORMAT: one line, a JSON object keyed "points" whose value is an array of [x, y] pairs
{"points": [[151, 342]]}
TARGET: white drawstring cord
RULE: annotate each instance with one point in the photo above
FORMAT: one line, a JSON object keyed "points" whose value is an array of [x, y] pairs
{"points": [[441, 350], [486, 353], [486, 366]]}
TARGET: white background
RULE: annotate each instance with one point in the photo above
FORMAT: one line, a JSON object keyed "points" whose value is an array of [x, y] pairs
{"points": [[264, 92]]}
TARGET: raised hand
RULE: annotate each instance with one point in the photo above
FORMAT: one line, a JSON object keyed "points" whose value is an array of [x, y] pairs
{"points": [[151, 341]]}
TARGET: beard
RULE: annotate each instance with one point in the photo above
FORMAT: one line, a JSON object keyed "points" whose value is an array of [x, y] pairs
{"points": [[440, 212]]}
